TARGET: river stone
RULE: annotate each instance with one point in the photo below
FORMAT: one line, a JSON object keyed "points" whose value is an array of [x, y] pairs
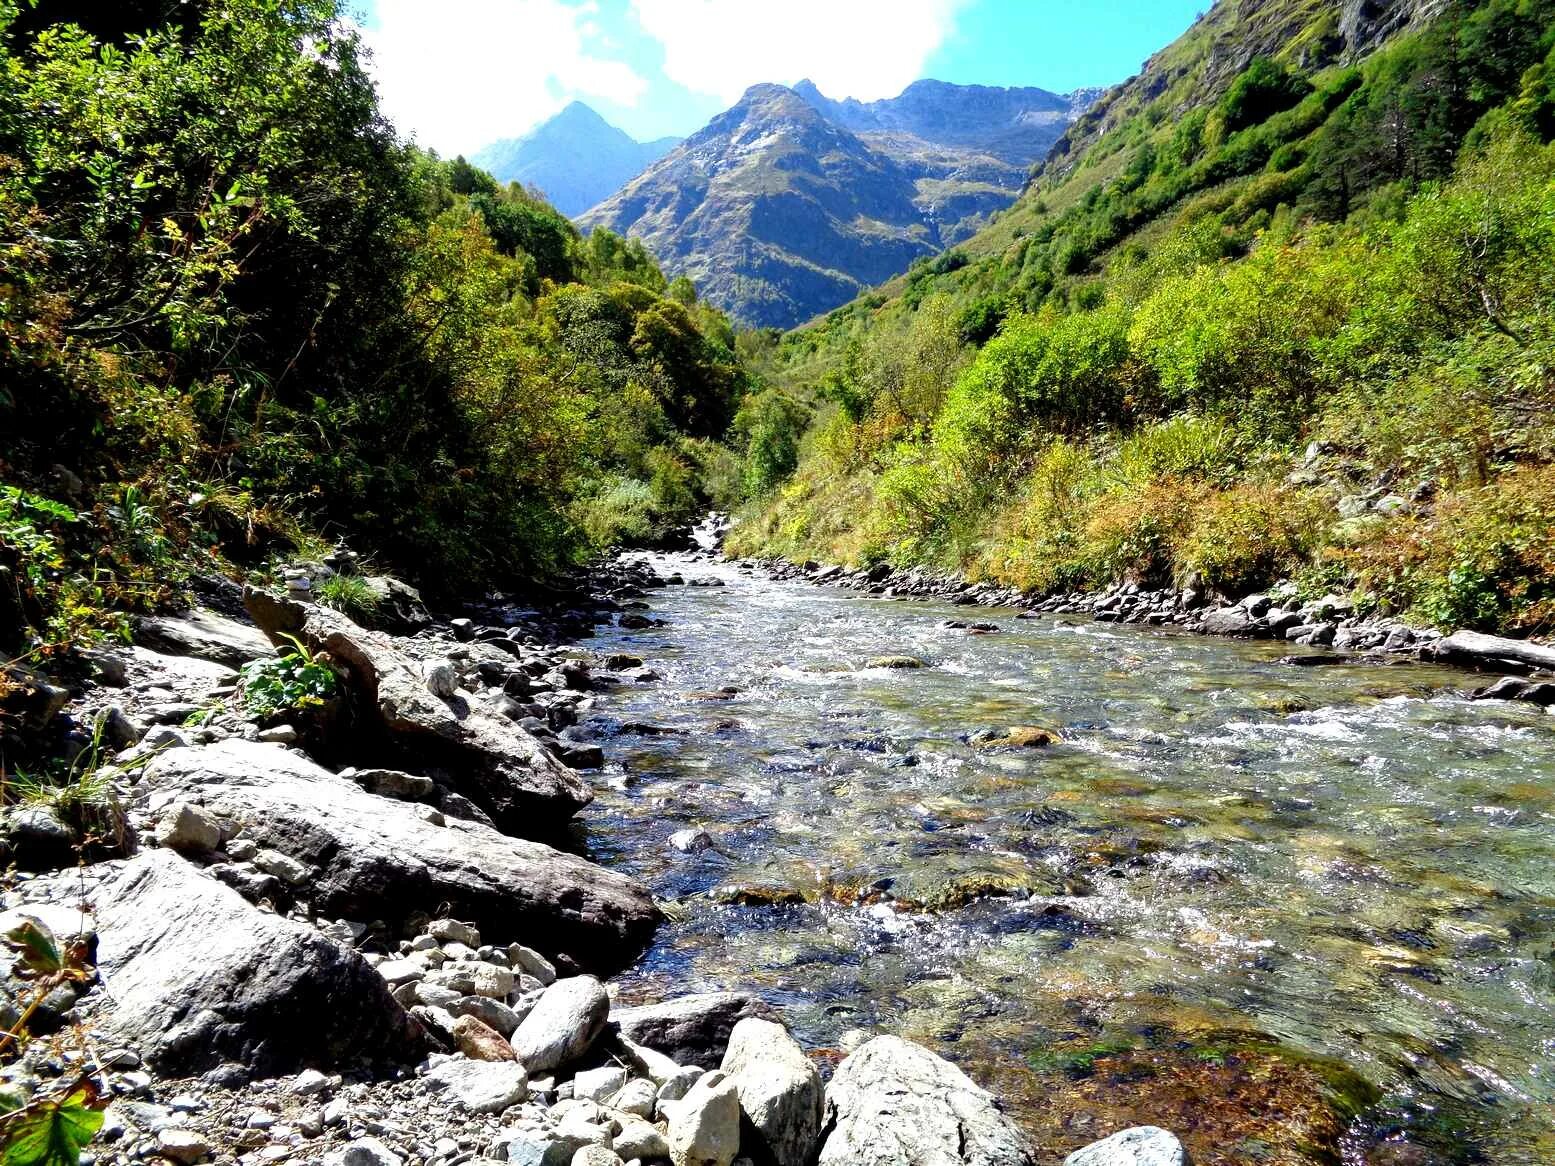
{"points": [[894, 1103], [781, 1096], [1229, 621], [480, 1086], [492, 761], [596, 1156], [1140, 1146], [195, 975], [641, 1140], [568, 1018], [479, 1041], [364, 1152], [704, 1126], [378, 859], [690, 1030], [598, 1084], [636, 1097], [899, 662], [493, 1012], [188, 828], [205, 635]]}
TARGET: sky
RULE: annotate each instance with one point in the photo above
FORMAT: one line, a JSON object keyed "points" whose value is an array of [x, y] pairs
{"points": [[458, 74]]}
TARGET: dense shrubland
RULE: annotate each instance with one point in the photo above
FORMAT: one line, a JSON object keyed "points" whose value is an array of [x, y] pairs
{"points": [[1302, 331], [240, 318]]}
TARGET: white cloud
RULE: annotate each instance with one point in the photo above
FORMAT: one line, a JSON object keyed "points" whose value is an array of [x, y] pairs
{"points": [[461, 73], [850, 48]]}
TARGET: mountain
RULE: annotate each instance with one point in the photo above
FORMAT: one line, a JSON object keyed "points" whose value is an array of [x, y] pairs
{"points": [[789, 203], [576, 158]]}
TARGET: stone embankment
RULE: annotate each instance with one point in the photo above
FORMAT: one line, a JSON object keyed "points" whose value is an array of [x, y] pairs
{"points": [[351, 931]]}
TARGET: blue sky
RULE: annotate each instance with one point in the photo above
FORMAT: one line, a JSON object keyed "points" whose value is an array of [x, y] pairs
{"points": [[457, 74]]}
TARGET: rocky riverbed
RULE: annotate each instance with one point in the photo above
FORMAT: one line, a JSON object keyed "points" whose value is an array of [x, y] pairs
{"points": [[357, 932]]}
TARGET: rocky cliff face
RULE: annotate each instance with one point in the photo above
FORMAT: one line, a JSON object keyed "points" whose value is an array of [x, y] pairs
{"points": [[790, 203], [576, 158]]}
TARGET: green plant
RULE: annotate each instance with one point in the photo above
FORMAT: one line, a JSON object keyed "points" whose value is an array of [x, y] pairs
{"points": [[296, 681], [351, 595], [51, 1127]]}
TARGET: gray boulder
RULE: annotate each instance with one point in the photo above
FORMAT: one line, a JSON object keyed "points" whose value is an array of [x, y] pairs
{"points": [[566, 1021], [195, 975], [894, 1103], [203, 634], [704, 1126], [1140, 1146], [375, 858], [781, 1097], [495, 763], [690, 1030], [1229, 621], [480, 1086]]}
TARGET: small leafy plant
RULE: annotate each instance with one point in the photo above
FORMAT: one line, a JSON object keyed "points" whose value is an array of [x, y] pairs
{"points": [[294, 682], [51, 1127]]}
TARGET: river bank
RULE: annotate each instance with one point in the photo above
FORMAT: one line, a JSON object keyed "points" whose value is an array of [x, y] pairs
{"points": [[292, 951]]}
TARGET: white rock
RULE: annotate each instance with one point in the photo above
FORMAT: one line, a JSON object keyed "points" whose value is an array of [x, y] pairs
{"points": [[188, 828], [480, 1086], [453, 931], [635, 1097], [894, 1103], [569, 1016], [596, 1156], [279, 735], [310, 1083], [704, 1126], [780, 1090], [598, 1084], [691, 841], [1140, 1146], [492, 981], [282, 866], [528, 960], [639, 1139], [184, 1146]]}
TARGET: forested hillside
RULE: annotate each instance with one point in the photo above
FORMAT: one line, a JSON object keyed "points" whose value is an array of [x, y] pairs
{"points": [[1278, 308], [242, 320]]}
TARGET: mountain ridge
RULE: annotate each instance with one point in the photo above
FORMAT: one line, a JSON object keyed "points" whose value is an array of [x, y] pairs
{"points": [[575, 158], [788, 203]]}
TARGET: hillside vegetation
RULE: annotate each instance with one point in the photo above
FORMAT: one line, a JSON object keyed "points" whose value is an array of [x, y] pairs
{"points": [[239, 319], [1277, 308]]}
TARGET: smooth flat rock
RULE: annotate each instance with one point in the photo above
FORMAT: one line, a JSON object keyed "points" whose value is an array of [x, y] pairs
{"points": [[203, 634], [1140, 1146], [480, 1086], [376, 858], [894, 1103], [195, 975], [690, 1030], [495, 763]]}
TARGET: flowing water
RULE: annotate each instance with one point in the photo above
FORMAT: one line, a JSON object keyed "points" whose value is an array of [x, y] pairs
{"points": [[1299, 914]]}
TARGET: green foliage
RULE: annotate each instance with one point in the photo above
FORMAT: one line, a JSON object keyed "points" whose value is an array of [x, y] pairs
{"points": [[294, 682], [351, 595], [1262, 90], [52, 1133]]}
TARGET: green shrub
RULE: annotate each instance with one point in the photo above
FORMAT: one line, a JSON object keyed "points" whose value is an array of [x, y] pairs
{"points": [[351, 595], [1249, 536], [296, 682]]}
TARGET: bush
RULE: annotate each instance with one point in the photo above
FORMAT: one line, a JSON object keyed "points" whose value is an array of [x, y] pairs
{"points": [[1249, 536], [296, 682], [351, 595]]}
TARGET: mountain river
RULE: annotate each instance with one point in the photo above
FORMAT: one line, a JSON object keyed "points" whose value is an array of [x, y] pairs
{"points": [[1297, 914]]}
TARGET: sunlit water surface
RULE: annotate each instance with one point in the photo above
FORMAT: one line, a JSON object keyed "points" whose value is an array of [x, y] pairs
{"points": [[1228, 868]]}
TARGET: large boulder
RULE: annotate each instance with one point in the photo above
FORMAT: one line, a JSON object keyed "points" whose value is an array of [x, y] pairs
{"points": [[205, 635], [782, 1102], [894, 1103], [195, 976], [495, 763], [1140, 1146], [563, 1024], [376, 858], [690, 1030], [704, 1126]]}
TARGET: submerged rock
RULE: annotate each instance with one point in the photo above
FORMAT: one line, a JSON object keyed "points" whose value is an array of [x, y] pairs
{"points": [[894, 1103], [898, 662]]}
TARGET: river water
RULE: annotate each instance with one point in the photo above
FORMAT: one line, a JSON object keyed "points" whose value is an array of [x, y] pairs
{"points": [[1299, 914]]}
